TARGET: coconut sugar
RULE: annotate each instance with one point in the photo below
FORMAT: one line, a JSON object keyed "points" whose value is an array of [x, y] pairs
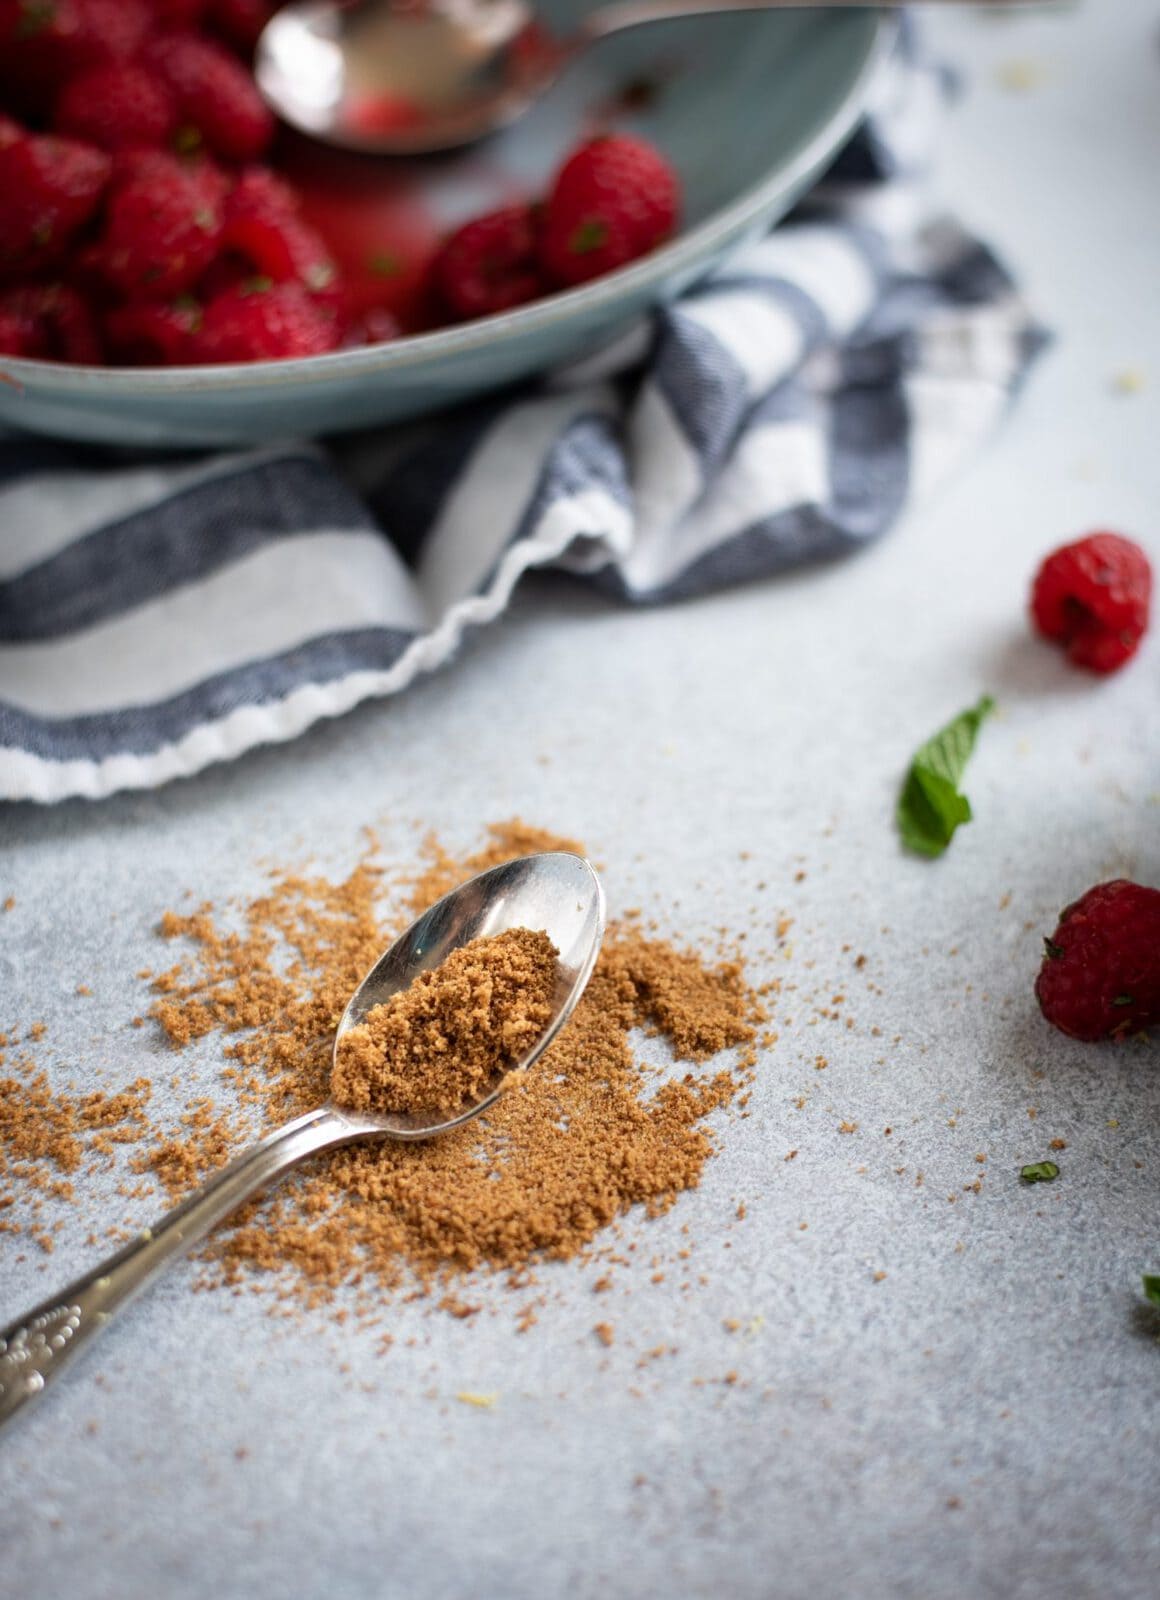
{"points": [[441, 1044], [598, 1126]]}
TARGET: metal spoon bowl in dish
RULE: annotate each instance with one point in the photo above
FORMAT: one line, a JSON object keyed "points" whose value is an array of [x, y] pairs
{"points": [[555, 892], [398, 78]]}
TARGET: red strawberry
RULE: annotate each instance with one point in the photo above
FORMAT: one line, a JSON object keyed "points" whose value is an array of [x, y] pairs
{"points": [[215, 95], [19, 331], [108, 30], [154, 335], [45, 42], [614, 199], [263, 321], [224, 272], [283, 250], [177, 16], [48, 189], [211, 181], [56, 322], [259, 192], [265, 237], [240, 21], [381, 234], [1093, 597], [117, 107], [489, 264], [1100, 978], [373, 327], [160, 235]]}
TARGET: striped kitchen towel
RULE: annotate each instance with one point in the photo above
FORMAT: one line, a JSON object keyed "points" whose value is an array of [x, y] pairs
{"points": [[158, 615]]}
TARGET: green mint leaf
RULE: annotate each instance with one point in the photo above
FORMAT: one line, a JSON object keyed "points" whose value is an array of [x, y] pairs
{"points": [[259, 285], [930, 806], [1151, 1282], [1039, 1172]]}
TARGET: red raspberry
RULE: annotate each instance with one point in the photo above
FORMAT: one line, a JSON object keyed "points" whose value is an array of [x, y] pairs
{"points": [[153, 335], [48, 189], [614, 199], [1100, 978], [263, 321], [1092, 597], [118, 107], [161, 233], [10, 132], [489, 264], [215, 95], [56, 323], [241, 21]]}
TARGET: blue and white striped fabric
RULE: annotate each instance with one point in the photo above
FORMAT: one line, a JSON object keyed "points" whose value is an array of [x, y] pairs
{"points": [[160, 615]]}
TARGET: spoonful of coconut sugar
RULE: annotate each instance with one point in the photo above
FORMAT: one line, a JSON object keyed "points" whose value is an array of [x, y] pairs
{"points": [[457, 1009], [442, 1043]]}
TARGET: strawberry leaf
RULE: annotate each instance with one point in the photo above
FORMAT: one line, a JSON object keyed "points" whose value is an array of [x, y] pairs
{"points": [[590, 235]]}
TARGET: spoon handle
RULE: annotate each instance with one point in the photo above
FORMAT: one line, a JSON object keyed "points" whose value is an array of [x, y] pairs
{"points": [[618, 15], [36, 1347]]}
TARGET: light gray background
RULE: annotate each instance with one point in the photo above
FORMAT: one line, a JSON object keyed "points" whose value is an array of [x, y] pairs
{"points": [[984, 1420]]}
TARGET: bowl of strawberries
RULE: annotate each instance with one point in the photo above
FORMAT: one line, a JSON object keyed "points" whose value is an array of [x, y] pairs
{"points": [[178, 269]]}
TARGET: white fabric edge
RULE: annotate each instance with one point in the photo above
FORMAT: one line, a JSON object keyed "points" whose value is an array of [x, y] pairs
{"points": [[24, 776]]}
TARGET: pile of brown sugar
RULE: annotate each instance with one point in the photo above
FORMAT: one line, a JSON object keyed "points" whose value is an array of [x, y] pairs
{"points": [[588, 1133], [441, 1043]]}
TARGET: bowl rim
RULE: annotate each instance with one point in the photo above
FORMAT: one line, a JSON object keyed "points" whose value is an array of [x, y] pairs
{"points": [[684, 252]]}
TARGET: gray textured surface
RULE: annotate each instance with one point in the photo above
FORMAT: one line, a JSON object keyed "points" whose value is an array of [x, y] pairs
{"points": [[983, 1420]]}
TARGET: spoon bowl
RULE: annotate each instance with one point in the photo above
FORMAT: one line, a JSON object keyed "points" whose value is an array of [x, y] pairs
{"points": [[405, 77], [554, 892], [402, 80], [557, 893]]}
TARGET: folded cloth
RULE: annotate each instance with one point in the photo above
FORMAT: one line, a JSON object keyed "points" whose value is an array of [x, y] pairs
{"points": [[158, 615]]}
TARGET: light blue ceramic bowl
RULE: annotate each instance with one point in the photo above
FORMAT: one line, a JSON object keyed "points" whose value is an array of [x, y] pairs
{"points": [[752, 107]]}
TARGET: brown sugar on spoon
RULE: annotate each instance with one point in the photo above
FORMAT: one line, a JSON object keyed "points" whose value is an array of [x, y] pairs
{"points": [[440, 1044]]}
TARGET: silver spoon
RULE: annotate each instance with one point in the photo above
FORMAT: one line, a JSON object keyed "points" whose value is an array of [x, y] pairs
{"points": [[401, 77], [556, 892]]}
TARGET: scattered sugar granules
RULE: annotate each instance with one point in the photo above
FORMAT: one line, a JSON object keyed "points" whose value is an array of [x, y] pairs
{"points": [[588, 1133]]}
